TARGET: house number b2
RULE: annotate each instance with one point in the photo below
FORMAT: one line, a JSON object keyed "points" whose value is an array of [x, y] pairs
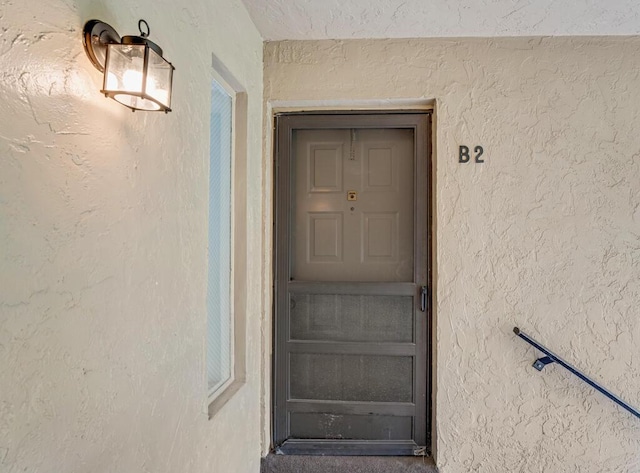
{"points": [[465, 154]]}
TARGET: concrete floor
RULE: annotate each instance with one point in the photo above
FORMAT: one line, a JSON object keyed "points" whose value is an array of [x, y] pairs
{"points": [[326, 464]]}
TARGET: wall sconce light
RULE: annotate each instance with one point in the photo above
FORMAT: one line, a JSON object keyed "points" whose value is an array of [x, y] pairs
{"points": [[135, 73]]}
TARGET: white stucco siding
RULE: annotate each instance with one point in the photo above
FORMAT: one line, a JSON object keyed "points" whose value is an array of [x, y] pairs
{"points": [[544, 235], [103, 234]]}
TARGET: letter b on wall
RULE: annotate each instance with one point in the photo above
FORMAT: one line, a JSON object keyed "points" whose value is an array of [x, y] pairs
{"points": [[464, 156]]}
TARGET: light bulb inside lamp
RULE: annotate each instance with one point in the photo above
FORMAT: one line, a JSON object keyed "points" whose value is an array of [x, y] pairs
{"points": [[131, 81]]}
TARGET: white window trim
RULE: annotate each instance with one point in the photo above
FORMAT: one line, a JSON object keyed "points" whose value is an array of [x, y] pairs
{"points": [[222, 385], [219, 394]]}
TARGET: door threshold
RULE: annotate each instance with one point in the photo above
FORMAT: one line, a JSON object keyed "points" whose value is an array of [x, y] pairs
{"points": [[350, 447], [273, 463]]}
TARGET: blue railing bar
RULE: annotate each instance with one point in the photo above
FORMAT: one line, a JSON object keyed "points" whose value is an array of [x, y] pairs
{"points": [[553, 358]]}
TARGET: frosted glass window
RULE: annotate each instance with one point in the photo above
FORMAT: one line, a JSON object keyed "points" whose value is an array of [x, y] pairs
{"points": [[219, 310]]}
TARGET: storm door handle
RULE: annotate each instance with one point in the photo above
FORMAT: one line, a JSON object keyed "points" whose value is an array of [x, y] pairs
{"points": [[424, 292]]}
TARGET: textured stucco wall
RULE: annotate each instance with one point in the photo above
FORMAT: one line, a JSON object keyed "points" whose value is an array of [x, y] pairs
{"points": [[545, 235], [103, 233], [335, 19]]}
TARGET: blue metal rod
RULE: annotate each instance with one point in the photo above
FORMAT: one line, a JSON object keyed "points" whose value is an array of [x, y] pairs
{"points": [[575, 371]]}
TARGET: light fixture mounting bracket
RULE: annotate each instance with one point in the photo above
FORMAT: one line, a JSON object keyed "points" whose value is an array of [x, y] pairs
{"points": [[96, 36]]}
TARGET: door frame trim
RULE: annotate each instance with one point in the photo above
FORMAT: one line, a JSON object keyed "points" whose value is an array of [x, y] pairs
{"points": [[421, 121]]}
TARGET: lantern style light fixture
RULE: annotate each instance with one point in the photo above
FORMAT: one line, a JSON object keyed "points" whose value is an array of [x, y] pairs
{"points": [[135, 73]]}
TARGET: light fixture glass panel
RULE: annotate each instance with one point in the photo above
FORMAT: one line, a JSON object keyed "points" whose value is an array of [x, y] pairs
{"points": [[135, 102], [124, 68], [159, 73], [124, 76]]}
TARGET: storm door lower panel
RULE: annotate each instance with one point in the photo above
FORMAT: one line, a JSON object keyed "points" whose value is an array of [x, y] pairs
{"points": [[351, 369]]}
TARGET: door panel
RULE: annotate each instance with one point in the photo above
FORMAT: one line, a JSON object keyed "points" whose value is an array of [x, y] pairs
{"points": [[366, 239], [350, 427], [354, 318], [351, 377], [351, 349]]}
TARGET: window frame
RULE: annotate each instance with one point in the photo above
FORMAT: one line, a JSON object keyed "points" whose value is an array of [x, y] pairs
{"points": [[218, 395]]}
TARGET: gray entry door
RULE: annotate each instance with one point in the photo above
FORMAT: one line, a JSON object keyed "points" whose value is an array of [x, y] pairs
{"points": [[352, 317]]}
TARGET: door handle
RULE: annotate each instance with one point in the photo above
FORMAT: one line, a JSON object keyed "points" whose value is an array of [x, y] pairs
{"points": [[424, 291]]}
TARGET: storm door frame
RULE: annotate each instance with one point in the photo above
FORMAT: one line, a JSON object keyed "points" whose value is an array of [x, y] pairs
{"points": [[285, 125]]}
